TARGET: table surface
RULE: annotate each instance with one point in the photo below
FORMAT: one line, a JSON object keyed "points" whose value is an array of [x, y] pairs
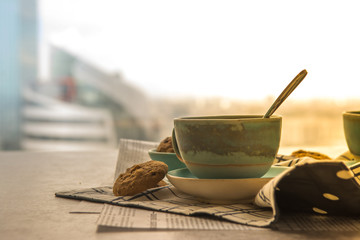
{"points": [[30, 210]]}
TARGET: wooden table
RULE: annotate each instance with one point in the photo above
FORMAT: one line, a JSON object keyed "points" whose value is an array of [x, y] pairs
{"points": [[30, 210]]}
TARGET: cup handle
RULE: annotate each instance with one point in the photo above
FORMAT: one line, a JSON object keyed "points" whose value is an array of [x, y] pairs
{"points": [[175, 146]]}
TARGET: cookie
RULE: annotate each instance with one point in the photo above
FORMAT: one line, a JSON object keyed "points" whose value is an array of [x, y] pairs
{"points": [[315, 155], [165, 145], [139, 178]]}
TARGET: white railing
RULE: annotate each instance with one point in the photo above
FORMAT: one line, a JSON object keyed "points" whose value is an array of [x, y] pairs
{"points": [[50, 124]]}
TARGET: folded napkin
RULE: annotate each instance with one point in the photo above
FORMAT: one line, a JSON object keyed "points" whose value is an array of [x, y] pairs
{"points": [[325, 187]]}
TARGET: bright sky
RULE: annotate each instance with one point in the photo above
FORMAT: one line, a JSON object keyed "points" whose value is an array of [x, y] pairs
{"points": [[230, 48]]}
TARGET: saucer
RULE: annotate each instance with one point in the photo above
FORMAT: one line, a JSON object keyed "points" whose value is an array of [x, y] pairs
{"points": [[221, 191]]}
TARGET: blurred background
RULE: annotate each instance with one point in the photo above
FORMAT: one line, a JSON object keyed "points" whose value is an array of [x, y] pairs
{"points": [[81, 74]]}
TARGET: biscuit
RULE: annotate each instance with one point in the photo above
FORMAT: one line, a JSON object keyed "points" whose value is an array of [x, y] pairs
{"points": [[139, 178], [315, 155], [165, 145]]}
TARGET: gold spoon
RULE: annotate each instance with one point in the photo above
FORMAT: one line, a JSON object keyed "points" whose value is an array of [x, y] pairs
{"points": [[285, 93]]}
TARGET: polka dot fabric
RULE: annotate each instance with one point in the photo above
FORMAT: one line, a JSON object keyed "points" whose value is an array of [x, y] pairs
{"points": [[322, 187]]}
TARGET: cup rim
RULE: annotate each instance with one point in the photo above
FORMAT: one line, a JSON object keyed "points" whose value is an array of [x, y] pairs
{"points": [[352, 113], [245, 117], [153, 151]]}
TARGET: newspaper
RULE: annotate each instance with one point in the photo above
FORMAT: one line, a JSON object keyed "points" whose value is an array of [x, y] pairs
{"points": [[132, 152], [117, 218], [125, 218]]}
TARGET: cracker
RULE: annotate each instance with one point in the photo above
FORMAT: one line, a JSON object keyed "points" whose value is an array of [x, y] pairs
{"points": [[139, 178], [315, 155], [165, 145]]}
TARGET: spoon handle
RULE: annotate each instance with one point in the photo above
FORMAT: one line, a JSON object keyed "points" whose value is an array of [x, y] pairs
{"points": [[286, 92]]}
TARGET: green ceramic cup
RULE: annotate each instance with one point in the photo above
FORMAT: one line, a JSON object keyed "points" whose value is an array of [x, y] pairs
{"points": [[233, 146], [351, 121]]}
